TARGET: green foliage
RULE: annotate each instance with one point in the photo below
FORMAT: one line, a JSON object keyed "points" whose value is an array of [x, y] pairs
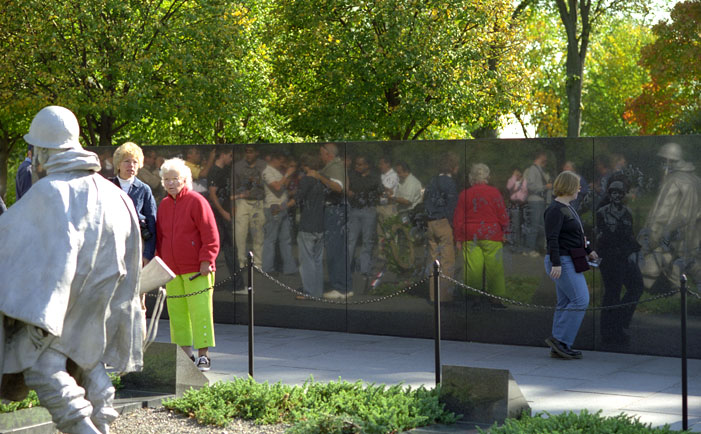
{"points": [[670, 99], [334, 407], [116, 380], [546, 110], [30, 401], [613, 77], [399, 244], [394, 69], [521, 288], [571, 423]]}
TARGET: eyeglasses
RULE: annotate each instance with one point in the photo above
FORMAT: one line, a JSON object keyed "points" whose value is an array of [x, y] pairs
{"points": [[172, 180]]}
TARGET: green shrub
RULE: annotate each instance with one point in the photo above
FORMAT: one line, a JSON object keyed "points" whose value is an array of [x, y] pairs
{"points": [[30, 401], [33, 401], [571, 423], [334, 407]]}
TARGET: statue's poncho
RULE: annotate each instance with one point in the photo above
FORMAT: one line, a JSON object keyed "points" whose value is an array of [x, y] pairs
{"points": [[70, 257]]}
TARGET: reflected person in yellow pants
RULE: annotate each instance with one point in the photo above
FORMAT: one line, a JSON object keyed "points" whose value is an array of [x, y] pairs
{"points": [[484, 259], [480, 221]]}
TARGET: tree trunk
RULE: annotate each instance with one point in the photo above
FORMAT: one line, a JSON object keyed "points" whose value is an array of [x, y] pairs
{"points": [[393, 100], [105, 128], [573, 87], [570, 12]]}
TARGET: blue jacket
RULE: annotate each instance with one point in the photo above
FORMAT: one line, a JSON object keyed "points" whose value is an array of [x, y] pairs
{"points": [[23, 179], [140, 193]]}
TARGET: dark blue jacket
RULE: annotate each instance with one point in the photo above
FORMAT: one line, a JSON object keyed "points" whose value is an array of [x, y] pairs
{"points": [[145, 205], [440, 198], [23, 179]]}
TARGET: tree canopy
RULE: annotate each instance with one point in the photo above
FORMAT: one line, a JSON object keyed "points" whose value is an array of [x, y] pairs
{"points": [[394, 69], [671, 99]]}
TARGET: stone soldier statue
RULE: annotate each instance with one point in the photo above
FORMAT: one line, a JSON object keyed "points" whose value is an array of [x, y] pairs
{"points": [[671, 238], [69, 300]]}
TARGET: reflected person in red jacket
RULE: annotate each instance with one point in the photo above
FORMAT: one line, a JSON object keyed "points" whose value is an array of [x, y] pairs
{"points": [[479, 222], [189, 245]]}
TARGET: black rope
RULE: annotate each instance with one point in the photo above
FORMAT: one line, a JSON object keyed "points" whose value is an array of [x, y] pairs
{"points": [[555, 308], [330, 301]]}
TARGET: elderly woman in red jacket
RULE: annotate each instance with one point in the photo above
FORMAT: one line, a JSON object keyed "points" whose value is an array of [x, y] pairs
{"points": [[479, 222], [189, 245]]}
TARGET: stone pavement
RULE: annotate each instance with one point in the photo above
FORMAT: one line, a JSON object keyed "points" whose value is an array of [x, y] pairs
{"points": [[648, 387]]}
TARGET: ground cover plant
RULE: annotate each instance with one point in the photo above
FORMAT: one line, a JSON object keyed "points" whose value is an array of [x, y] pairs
{"points": [[570, 423], [30, 401], [33, 401], [334, 407]]}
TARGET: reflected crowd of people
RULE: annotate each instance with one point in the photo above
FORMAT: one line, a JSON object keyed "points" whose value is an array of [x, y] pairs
{"points": [[340, 221]]}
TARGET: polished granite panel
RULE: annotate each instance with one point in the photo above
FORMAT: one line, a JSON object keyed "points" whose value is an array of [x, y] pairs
{"points": [[394, 297], [481, 395]]}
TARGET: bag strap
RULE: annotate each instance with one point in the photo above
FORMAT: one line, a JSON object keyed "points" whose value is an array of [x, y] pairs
{"points": [[581, 227]]}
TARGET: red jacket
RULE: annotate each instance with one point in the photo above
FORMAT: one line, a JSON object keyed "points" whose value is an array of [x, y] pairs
{"points": [[187, 232], [480, 214]]}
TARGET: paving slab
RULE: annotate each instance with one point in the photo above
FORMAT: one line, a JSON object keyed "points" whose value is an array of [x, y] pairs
{"points": [[647, 387]]}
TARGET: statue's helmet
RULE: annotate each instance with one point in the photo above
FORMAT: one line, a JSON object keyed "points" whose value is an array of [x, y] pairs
{"points": [[54, 127], [616, 185], [670, 151]]}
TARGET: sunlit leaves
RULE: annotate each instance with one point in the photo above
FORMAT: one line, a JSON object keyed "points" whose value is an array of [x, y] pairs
{"points": [[392, 69], [673, 92]]}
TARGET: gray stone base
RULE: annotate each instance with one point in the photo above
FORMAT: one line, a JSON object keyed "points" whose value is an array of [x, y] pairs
{"points": [[481, 395], [167, 370]]}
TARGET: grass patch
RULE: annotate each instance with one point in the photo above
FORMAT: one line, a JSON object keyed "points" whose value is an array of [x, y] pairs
{"points": [[334, 407], [571, 423]]}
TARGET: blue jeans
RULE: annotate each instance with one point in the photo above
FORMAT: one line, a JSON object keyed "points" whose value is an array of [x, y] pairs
{"points": [[534, 228], [277, 229], [572, 293], [311, 261], [362, 222], [335, 245]]}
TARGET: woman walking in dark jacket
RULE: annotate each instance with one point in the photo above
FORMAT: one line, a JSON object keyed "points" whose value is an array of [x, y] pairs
{"points": [[565, 262]]}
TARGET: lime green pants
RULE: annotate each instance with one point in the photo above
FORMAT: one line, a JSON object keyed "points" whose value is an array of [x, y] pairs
{"points": [[191, 318], [484, 258]]}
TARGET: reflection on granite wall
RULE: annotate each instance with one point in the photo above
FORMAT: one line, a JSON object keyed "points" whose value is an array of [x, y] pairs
{"points": [[350, 231]]}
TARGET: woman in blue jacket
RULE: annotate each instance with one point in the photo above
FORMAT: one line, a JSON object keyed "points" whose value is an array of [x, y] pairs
{"points": [[127, 160]]}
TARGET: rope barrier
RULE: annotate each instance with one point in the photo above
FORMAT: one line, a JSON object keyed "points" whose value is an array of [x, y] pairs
{"points": [[237, 273], [537, 306], [424, 280], [324, 300]]}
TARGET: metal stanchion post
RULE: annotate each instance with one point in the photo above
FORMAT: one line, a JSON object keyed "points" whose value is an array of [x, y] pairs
{"points": [[250, 313], [437, 317], [685, 392]]}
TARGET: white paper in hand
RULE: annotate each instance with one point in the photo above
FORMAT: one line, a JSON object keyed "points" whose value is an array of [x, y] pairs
{"points": [[155, 274]]}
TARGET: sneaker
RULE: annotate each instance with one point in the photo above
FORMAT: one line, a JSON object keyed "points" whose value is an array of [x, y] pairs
{"points": [[562, 350], [558, 348], [203, 363], [333, 295]]}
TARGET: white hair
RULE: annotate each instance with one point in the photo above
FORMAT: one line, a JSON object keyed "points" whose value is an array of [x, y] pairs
{"points": [[479, 174], [178, 166]]}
